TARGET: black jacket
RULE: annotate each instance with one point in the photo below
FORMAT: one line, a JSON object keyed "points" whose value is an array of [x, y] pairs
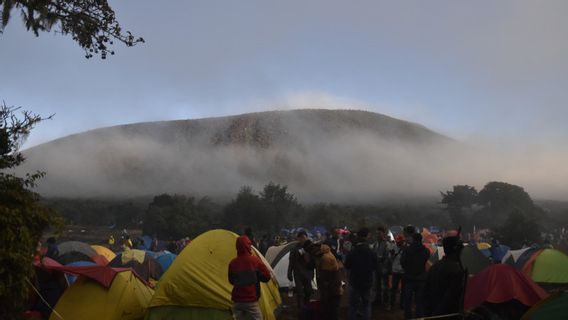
{"points": [[361, 263], [413, 261], [444, 287]]}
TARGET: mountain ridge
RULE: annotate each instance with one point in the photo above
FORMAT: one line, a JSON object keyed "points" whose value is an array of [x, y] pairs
{"points": [[307, 149]]}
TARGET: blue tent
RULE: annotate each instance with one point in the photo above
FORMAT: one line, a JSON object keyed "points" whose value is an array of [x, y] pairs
{"points": [[71, 278], [498, 252], [147, 242], [165, 259]]}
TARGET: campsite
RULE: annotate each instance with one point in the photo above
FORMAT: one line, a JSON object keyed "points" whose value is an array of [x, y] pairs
{"points": [[283, 160]]}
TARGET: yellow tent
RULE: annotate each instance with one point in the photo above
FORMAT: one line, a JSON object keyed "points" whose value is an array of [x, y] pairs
{"points": [[196, 286], [105, 252], [126, 299]]}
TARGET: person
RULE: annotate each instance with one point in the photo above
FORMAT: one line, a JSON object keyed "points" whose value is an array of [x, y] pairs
{"points": [[245, 274], [445, 284], [264, 244], [413, 262], [111, 241], [154, 243], [381, 248], [127, 243], [328, 279], [250, 234], [361, 262], [52, 249], [333, 241], [301, 271], [397, 271]]}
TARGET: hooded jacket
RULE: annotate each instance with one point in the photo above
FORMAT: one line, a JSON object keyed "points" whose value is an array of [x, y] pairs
{"points": [[329, 277], [245, 273]]}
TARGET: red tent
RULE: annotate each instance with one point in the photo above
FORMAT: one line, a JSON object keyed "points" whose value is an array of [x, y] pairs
{"points": [[102, 274], [501, 283]]}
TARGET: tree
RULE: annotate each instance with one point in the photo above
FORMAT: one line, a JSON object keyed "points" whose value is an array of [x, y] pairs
{"points": [[246, 210], [22, 217], [92, 24], [462, 196], [518, 230], [175, 217], [499, 199], [281, 206]]}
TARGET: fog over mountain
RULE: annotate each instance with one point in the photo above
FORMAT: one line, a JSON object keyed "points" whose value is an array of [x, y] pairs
{"points": [[322, 155]]}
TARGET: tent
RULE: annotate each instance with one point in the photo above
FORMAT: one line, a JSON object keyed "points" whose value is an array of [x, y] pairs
{"points": [[140, 261], [70, 277], [473, 260], [72, 251], [554, 307], [165, 259], [275, 253], [105, 252], [502, 283], [512, 256], [279, 259], [196, 285], [125, 299], [49, 283], [547, 267], [498, 251]]}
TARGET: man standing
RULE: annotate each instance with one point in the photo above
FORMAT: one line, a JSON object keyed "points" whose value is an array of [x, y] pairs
{"points": [[361, 263], [301, 270], [335, 244], [382, 249], [245, 273], [413, 262], [445, 284], [397, 271]]}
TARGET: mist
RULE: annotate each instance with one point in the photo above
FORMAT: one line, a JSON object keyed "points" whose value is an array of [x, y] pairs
{"points": [[319, 158]]}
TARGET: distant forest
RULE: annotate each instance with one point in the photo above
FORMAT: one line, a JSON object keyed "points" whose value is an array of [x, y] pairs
{"points": [[507, 209]]}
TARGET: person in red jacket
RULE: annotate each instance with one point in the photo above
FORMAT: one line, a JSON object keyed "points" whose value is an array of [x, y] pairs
{"points": [[245, 273]]}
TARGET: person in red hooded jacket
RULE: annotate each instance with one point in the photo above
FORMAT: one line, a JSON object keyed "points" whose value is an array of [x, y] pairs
{"points": [[245, 274]]}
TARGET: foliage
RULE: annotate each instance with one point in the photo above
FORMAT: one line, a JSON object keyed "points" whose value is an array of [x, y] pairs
{"points": [[92, 24], [499, 199], [281, 206], [518, 229], [273, 208], [462, 196], [22, 217], [246, 210], [178, 216]]}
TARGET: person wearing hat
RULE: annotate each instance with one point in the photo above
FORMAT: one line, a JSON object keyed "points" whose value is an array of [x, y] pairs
{"points": [[445, 284], [397, 271]]}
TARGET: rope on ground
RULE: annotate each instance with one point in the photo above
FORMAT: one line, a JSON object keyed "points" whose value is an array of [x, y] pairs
{"points": [[439, 317], [44, 301]]}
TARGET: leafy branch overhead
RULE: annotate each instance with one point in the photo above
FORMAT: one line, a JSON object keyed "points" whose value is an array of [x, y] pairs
{"points": [[91, 23]]}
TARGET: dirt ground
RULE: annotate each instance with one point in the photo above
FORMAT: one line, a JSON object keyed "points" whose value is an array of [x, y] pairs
{"points": [[290, 312]]}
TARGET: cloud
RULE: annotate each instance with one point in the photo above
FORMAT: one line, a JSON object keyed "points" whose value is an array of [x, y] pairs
{"points": [[333, 156]]}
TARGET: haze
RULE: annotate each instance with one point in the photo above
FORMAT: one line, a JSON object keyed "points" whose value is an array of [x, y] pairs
{"points": [[492, 75]]}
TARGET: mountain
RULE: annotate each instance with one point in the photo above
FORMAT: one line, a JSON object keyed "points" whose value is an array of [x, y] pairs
{"points": [[319, 154]]}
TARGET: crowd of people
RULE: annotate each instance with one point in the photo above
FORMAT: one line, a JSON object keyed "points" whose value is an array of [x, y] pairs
{"points": [[374, 269]]}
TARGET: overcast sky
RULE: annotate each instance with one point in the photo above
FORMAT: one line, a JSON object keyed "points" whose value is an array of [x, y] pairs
{"points": [[492, 69]]}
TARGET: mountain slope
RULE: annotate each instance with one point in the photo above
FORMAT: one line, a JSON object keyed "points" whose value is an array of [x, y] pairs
{"points": [[318, 153]]}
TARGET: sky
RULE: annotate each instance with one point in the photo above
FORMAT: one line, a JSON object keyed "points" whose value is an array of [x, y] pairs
{"points": [[493, 70]]}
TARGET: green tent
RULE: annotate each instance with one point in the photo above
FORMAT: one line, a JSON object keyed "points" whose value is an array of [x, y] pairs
{"points": [[554, 307], [551, 266], [473, 260]]}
